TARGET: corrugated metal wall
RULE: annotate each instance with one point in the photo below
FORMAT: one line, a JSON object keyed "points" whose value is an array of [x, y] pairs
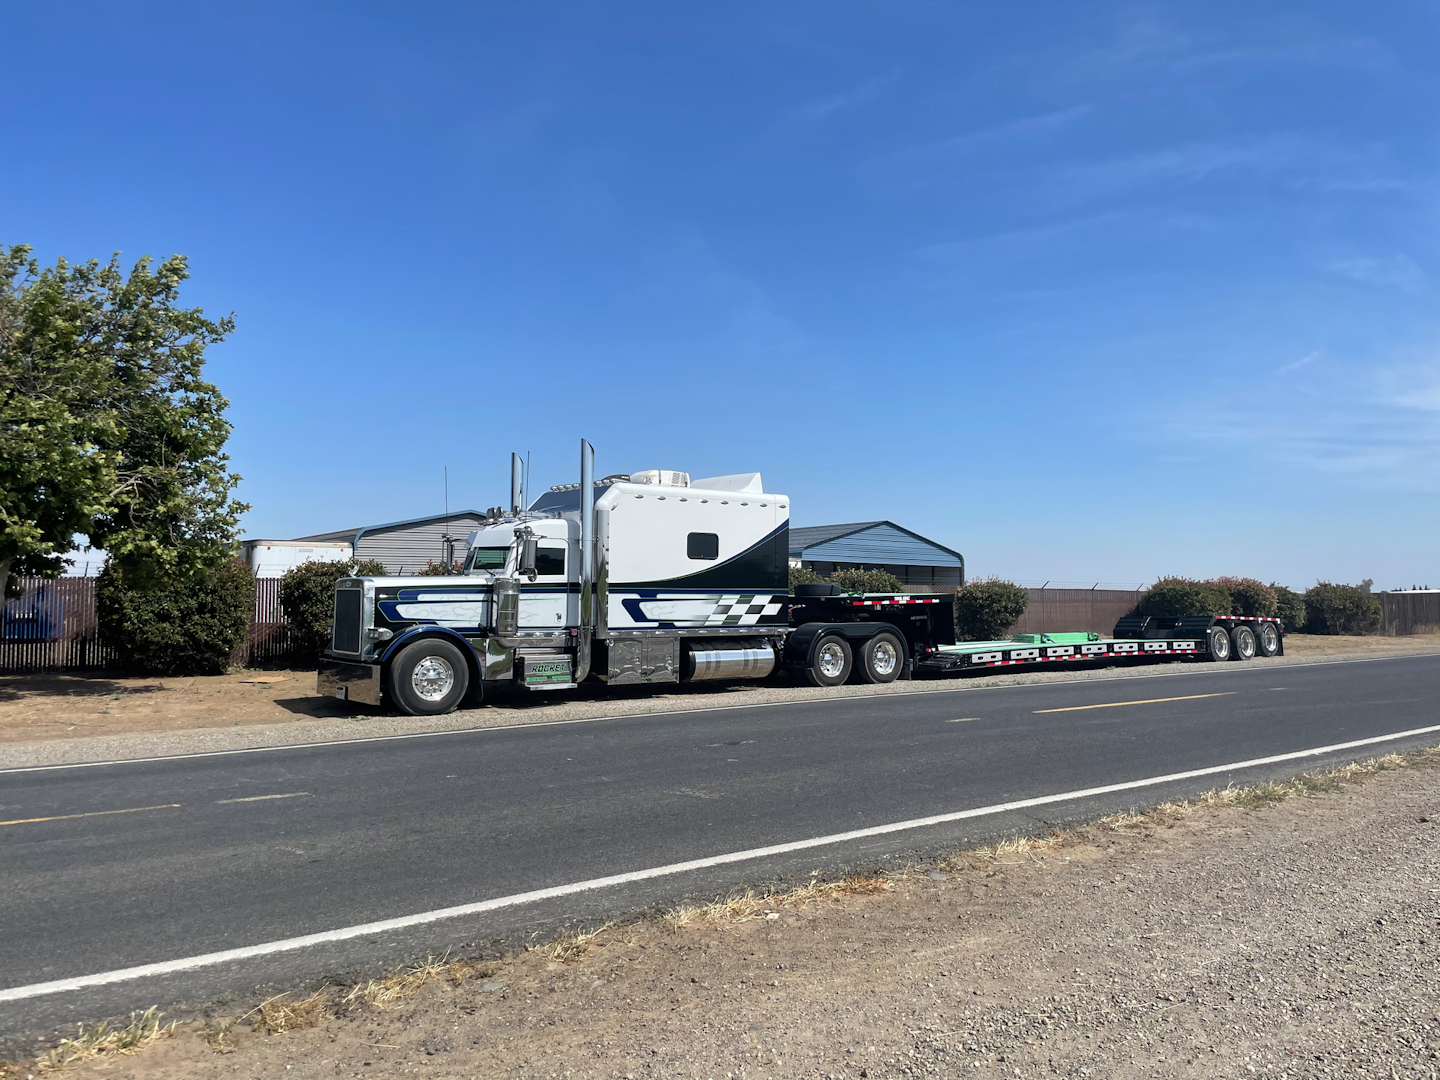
{"points": [[408, 549], [880, 545]]}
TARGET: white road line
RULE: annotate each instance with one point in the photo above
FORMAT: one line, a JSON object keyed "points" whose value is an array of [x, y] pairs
{"points": [[269, 948], [1185, 669], [262, 798]]}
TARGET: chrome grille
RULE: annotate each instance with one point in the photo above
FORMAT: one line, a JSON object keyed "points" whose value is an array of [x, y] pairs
{"points": [[345, 638]]}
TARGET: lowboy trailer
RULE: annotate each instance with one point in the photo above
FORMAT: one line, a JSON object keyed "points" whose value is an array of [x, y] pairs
{"points": [[657, 579]]}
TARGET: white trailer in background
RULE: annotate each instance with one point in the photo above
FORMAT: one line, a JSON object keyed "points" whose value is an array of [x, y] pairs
{"points": [[271, 558]]}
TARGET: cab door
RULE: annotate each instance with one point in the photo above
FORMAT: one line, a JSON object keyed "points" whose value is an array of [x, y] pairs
{"points": [[543, 601]]}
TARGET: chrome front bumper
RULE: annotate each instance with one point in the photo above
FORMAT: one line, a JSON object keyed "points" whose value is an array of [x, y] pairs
{"points": [[349, 682]]}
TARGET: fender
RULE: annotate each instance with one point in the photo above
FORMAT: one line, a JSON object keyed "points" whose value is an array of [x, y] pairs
{"points": [[800, 645], [416, 632]]}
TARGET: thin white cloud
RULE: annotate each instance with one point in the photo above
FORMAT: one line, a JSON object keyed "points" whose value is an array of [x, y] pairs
{"points": [[823, 108], [1309, 358], [1392, 272], [988, 138]]}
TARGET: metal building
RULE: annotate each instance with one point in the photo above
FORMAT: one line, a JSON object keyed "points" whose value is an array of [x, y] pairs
{"points": [[883, 545], [408, 547]]}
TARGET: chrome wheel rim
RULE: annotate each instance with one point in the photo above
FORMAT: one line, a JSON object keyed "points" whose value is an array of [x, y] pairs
{"points": [[1246, 645], [884, 657], [1220, 644], [831, 660], [1269, 637], [432, 678]]}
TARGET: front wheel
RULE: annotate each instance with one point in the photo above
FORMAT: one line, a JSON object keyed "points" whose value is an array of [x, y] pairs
{"points": [[1243, 638], [1219, 640], [881, 659], [831, 661], [428, 678]]}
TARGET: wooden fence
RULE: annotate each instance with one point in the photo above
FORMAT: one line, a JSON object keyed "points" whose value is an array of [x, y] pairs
{"points": [[52, 627], [1053, 610], [1410, 612]]}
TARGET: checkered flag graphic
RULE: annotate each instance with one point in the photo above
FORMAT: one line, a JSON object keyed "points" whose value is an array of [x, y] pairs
{"points": [[742, 609]]}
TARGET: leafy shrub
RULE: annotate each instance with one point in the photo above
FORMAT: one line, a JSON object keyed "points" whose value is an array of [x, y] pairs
{"points": [[1248, 596], [1290, 606], [1341, 609], [867, 581], [183, 625], [307, 596], [1174, 596], [800, 575], [987, 609], [434, 569]]}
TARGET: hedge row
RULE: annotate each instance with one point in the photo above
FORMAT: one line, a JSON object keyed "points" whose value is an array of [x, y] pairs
{"points": [[1326, 608]]}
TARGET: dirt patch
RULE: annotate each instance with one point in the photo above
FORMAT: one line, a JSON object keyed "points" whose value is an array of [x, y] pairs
{"points": [[62, 706], [1234, 936], [45, 708]]}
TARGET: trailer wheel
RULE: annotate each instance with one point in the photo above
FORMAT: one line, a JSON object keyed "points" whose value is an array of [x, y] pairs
{"points": [[1219, 643], [428, 678], [882, 659], [1267, 639], [831, 662], [1243, 639]]}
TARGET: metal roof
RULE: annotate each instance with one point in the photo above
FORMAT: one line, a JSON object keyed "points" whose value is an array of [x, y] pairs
{"points": [[355, 534], [870, 542]]}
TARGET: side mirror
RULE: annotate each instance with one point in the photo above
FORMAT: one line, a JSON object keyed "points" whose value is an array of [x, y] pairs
{"points": [[529, 551]]}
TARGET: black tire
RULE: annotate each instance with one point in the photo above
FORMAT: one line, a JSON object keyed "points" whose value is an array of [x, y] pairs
{"points": [[1267, 639], [831, 661], [1243, 640], [882, 659], [1219, 640], [428, 678]]}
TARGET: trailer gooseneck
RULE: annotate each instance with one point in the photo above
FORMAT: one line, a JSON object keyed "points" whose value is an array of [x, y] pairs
{"points": [[654, 578]]}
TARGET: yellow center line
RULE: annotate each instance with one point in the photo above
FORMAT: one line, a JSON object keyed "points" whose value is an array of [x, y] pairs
{"points": [[93, 813], [1147, 701], [261, 798]]}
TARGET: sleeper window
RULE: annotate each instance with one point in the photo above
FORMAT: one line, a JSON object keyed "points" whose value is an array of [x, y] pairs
{"points": [[703, 546], [550, 561]]}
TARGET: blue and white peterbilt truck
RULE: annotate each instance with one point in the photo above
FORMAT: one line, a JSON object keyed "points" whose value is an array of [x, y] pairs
{"points": [[660, 579]]}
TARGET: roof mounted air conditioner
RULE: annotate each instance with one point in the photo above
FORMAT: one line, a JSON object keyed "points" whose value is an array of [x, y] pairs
{"points": [[662, 477]]}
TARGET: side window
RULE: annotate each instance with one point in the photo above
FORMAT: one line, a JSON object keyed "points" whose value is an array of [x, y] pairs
{"points": [[703, 545], [550, 561]]}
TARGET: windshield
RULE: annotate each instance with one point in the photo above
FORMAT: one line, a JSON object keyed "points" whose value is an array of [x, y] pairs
{"points": [[487, 558]]}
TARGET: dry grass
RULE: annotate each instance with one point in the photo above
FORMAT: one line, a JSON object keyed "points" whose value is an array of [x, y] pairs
{"points": [[740, 907], [573, 944], [279, 1014], [395, 989], [101, 1040]]}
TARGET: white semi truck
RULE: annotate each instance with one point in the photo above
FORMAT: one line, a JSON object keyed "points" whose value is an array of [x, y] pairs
{"points": [[657, 578]]}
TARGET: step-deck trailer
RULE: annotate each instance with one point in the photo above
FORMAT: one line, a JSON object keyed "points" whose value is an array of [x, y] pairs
{"points": [[658, 579]]}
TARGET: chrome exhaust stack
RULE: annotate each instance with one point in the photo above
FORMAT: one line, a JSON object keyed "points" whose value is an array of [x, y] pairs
{"points": [[517, 484], [587, 560]]}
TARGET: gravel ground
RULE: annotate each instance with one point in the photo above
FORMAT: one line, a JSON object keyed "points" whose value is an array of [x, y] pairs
{"points": [[1294, 941], [520, 707]]}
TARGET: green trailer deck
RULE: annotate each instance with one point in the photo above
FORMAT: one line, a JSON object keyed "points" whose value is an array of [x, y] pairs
{"points": [[1064, 649]]}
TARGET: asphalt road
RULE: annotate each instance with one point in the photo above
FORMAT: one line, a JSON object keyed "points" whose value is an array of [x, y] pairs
{"points": [[114, 866]]}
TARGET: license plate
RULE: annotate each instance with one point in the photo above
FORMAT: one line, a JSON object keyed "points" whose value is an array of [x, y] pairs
{"points": [[548, 671]]}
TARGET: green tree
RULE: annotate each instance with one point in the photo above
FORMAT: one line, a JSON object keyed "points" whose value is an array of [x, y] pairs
{"points": [[307, 596], [189, 624], [107, 429], [867, 581], [800, 575], [988, 608], [1341, 609], [1290, 606], [1173, 596]]}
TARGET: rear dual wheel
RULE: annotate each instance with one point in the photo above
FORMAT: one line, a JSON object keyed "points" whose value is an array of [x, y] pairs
{"points": [[1242, 640], [1267, 639], [833, 661]]}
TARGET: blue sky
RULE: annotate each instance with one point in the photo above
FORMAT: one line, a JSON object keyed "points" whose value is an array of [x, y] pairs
{"points": [[1090, 292]]}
